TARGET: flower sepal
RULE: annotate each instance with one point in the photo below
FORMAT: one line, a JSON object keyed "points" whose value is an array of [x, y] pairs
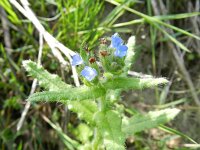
{"points": [[89, 83], [85, 55], [108, 75]]}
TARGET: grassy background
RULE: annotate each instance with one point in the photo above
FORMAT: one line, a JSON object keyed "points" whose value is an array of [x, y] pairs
{"points": [[163, 43]]}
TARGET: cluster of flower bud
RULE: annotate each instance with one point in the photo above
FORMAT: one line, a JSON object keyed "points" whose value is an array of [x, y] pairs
{"points": [[116, 49]]}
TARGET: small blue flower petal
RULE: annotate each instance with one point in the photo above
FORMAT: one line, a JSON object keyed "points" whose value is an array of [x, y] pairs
{"points": [[89, 73], [116, 41], [76, 60], [121, 51]]}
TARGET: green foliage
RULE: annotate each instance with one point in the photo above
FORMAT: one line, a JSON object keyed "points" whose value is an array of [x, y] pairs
{"points": [[11, 14], [79, 16], [109, 125], [85, 109], [157, 23], [83, 132], [46, 80], [79, 93], [69, 143], [153, 119], [114, 14], [83, 99], [62, 92], [130, 58], [12, 102], [173, 131], [134, 83], [74, 23]]}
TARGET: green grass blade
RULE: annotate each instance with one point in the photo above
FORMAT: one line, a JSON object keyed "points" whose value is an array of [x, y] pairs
{"points": [[136, 21], [69, 143], [154, 22], [11, 14], [164, 17], [179, 44], [170, 130], [177, 16], [114, 14], [176, 29], [172, 104]]}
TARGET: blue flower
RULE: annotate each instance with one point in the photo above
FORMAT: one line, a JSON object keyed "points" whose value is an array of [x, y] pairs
{"points": [[76, 60], [89, 73], [116, 41], [121, 51]]}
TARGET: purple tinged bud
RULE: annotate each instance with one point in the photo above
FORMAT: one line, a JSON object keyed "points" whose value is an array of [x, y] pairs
{"points": [[76, 60], [89, 73]]}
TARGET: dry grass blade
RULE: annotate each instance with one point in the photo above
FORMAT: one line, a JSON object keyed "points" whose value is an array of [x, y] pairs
{"points": [[179, 59]]}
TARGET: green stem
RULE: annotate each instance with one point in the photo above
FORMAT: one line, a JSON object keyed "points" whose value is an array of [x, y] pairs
{"points": [[102, 104], [97, 135], [97, 139]]}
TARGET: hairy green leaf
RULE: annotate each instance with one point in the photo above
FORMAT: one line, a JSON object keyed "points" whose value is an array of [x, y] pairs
{"points": [[129, 60], [153, 119], [49, 81], [78, 93], [85, 109], [109, 125], [133, 83]]}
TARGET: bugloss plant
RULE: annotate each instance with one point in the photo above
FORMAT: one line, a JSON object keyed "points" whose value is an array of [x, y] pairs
{"points": [[104, 75]]}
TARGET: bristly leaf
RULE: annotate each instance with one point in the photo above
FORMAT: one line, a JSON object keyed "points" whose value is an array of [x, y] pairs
{"points": [[134, 83], [79, 93], [85, 109], [109, 125], [129, 60], [153, 119], [46, 80]]}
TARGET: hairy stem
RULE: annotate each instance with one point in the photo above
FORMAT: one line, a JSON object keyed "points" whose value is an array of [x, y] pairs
{"points": [[97, 139]]}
